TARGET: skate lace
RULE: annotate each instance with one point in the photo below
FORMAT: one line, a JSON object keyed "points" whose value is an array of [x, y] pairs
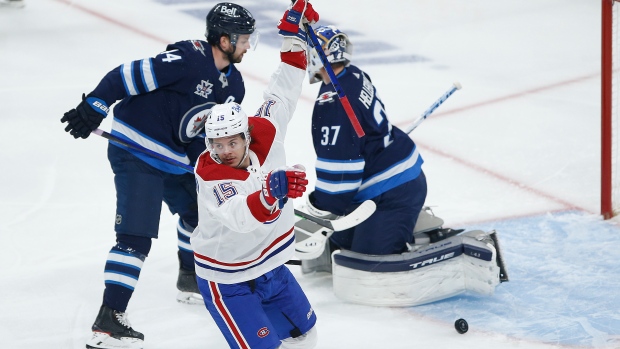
{"points": [[122, 319]]}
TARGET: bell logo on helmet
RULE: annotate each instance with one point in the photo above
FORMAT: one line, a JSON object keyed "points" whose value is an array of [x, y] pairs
{"points": [[230, 12]]}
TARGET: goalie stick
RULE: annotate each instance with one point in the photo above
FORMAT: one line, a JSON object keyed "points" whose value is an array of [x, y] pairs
{"points": [[455, 86], [360, 214], [314, 245]]}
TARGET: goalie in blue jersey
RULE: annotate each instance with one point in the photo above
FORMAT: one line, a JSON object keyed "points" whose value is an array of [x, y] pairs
{"points": [[384, 165], [163, 105]]}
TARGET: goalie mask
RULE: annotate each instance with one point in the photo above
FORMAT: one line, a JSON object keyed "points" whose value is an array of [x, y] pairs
{"points": [[226, 120], [336, 46]]}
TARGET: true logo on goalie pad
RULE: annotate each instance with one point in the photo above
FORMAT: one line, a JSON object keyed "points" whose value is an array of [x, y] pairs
{"points": [[432, 260]]}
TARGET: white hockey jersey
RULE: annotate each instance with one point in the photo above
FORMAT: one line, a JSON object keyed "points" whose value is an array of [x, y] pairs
{"points": [[236, 238]]}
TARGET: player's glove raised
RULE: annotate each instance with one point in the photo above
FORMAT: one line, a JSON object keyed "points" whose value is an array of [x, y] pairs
{"points": [[293, 50], [291, 22], [86, 117], [283, 183]]}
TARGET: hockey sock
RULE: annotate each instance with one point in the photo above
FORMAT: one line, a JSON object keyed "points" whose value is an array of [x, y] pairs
{"points": [[122, 270], [186, 254]]}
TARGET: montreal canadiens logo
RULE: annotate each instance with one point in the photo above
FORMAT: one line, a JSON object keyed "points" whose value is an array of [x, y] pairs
{"points": [[263, 332]]}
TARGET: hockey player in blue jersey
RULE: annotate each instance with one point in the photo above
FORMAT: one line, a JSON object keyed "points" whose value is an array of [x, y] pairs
{"points": [[163, 104], [384, 165]]}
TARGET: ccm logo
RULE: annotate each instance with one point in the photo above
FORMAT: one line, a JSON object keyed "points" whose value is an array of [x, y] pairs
{"points": [[263, 332]]}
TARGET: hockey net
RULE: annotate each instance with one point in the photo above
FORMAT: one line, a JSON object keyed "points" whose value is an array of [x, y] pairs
{"points": [[610, 109]]}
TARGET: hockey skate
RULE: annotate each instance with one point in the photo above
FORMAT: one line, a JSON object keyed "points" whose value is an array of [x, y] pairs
{"points": [[113, 330], [188, 288]]}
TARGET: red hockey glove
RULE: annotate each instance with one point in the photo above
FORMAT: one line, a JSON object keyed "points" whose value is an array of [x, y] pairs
{"points": [[281, 183]]}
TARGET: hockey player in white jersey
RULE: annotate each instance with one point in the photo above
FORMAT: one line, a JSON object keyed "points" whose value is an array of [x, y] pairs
{"points": [[245, 229]]}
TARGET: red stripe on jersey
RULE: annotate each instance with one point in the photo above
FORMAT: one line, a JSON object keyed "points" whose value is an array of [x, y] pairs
{"points": [[262, 254], [296, 59], [216, 297], [258, 210]]}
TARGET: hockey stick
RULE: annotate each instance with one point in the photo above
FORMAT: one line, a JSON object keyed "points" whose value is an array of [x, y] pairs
{"points": [[431, 109], [332, 77], [314, 245], [360, 214], [143, 150]]}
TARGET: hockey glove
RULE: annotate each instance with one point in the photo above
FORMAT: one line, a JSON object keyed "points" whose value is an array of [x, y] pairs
{"points": [[283, 183], [295, 37], [313, 210], [86, 117], [291, 22]]}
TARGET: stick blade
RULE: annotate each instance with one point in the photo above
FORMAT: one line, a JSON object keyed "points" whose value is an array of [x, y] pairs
{"points": [[360, 214]]}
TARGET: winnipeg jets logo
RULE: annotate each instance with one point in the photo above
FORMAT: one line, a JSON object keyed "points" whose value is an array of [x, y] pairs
{"points": [[204, 89], [326, 97], [223, 80], [193, 122], [198, 46], [195, 126]]}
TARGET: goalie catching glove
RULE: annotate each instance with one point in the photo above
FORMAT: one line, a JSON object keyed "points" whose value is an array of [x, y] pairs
{"points": [[281, 184], [86, 117], [295, 37]]}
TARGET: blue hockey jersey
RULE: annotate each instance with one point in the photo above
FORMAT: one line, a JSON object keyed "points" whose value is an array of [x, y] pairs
{"points": [[350, 169], [164, 100]]}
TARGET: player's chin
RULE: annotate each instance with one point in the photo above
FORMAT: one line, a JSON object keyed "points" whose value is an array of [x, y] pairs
{"points": [[239, 58], [230, 161]]}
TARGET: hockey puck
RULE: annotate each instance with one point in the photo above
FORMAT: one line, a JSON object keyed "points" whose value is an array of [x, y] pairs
{"points": [[461, 326]]}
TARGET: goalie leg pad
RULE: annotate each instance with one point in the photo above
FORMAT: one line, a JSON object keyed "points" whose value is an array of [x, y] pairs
{"points": [[438, 271]]}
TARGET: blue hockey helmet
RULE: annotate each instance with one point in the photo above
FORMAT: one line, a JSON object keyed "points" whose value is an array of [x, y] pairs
{"points": [[336, 46], [232, 20]]}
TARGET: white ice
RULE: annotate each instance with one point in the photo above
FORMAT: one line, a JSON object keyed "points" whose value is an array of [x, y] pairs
{"points": [[516, 150]]}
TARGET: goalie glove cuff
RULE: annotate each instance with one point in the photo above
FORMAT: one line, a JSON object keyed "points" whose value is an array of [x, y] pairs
{"points": [[315, 211]]}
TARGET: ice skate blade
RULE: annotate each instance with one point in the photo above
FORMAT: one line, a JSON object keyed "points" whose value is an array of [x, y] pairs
{"points": [[101, 340], [190, 298]]}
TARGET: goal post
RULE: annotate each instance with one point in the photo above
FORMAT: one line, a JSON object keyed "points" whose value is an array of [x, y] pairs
{"points": [[610, 180]]}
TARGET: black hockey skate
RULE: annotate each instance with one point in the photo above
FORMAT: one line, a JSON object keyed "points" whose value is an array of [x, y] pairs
{"points": [[188, 287], [113, 330]]}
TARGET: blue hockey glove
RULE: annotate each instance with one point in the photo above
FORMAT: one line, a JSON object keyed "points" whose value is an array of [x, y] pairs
{"points": [[283, 183], [86, 117]]}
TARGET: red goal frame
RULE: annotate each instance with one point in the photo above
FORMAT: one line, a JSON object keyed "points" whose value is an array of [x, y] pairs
{"points": [[607, 209]]}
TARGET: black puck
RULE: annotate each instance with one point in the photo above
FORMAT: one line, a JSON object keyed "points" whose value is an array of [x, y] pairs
{"points": [[461, 326]]}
